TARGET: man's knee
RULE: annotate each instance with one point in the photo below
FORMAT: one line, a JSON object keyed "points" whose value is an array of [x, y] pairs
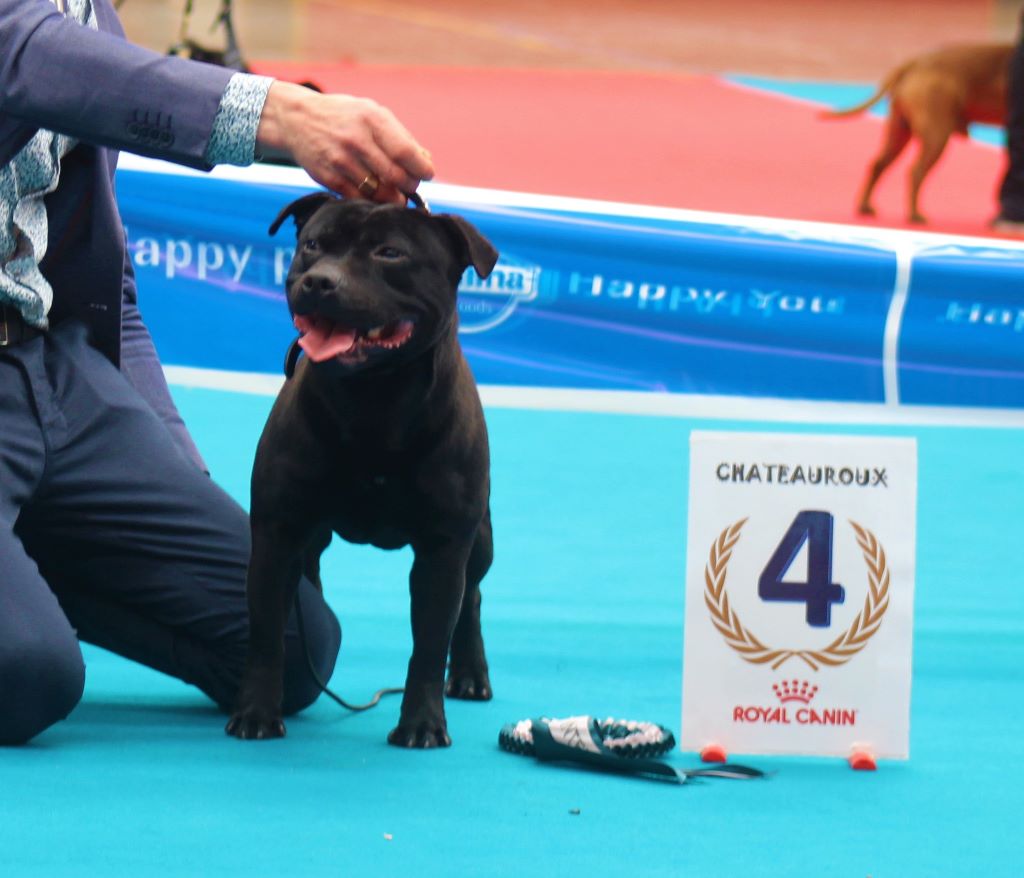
{"points": [[41, 682]]}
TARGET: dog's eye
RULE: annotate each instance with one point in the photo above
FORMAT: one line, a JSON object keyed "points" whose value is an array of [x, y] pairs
{"points": [[311, 245], [387, 252]]}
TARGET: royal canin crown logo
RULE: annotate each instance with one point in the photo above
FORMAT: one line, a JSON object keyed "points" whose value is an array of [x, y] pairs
{"points": [[802, 693], [794, 690]]}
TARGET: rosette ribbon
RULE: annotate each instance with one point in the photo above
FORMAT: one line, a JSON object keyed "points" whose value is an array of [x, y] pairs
{"points": [[622, 746]]}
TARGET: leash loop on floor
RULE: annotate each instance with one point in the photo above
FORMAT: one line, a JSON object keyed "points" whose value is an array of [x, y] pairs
{"points": [[624, 746]]}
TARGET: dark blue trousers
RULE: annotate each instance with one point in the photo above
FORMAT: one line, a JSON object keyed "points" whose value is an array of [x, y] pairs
{"points": [[1011, 191], [110, 533]]}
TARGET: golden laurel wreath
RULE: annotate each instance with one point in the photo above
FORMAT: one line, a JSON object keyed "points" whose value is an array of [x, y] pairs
{"points": [[840, 650]]}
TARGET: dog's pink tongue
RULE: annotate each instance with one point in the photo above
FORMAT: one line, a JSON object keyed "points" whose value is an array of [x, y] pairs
{"points": [[321, 341]]}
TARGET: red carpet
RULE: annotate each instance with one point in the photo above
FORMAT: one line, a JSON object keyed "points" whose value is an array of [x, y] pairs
{"points": [[692, 142]]}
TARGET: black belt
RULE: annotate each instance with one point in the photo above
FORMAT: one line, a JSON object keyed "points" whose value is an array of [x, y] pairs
{"points": [[13, 328]]}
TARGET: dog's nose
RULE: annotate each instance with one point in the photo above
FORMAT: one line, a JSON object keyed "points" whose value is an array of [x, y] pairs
{"points": [[319, 281], [315, 286]]}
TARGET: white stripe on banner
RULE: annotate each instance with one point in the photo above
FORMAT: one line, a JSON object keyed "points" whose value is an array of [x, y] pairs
{"points": [[280, 175], [676, 405], [894, 324]]}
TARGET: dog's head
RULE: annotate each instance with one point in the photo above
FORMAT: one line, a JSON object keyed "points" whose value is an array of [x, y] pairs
{"points": [[374, 285]]}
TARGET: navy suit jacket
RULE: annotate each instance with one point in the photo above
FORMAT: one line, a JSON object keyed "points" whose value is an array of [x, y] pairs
{"points": [[110, 95]]}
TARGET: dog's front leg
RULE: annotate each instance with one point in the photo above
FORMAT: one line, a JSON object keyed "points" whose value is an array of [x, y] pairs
{"points": [[436, 584], [468, 676], [274, 571]]}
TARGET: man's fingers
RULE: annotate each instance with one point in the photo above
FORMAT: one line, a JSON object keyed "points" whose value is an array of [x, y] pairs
{"points": [[402, 149], [346, 189], [384, 193], [390, 194], [387, 172], [345, 143]]}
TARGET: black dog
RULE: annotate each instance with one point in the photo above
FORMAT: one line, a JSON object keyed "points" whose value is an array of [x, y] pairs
{"points": [[381, 438]]}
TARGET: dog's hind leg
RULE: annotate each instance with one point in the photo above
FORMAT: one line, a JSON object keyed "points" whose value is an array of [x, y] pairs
{"points": [[933, 142], [468, 675], [897, 136]]}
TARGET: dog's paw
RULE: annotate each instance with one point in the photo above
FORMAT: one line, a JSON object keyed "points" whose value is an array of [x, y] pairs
{"points": [[420, 736], [253, 724], [866, 210], [469, 685]]}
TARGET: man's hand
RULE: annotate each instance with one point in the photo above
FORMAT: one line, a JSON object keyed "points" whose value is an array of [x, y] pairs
{"points": [[342, 141]]}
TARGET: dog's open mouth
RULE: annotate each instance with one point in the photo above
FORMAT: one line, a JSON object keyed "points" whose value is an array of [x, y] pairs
{"points": [[323, 339]]}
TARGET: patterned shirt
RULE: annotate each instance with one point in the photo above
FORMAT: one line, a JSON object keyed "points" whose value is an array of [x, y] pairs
{"points": [[34, 172]]}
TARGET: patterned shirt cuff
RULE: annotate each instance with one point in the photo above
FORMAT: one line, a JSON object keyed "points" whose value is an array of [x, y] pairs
{"points": [[233, 140]]}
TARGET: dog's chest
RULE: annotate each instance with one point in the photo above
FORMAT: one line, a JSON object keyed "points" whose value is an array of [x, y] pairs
{"points": [[375, 505]]}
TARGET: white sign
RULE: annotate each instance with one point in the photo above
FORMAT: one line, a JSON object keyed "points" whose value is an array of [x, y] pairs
{"points": [[799, 594]]}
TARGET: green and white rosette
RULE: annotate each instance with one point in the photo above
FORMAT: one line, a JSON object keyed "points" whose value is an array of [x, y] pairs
{"points": [[624, 746]]}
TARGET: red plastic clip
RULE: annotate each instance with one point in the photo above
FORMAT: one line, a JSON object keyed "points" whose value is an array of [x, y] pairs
{"points": [[713, 753], [862, 760]]}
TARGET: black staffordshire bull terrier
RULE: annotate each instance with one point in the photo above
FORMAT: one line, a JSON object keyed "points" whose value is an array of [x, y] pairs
{"points": [[379, 437]]}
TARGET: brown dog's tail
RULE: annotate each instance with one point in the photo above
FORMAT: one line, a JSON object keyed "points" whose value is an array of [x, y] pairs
{"points": [[887, 86]]}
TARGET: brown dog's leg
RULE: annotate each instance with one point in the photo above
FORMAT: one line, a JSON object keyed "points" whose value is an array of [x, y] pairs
{"points": [[897, 136], [468, 674], [933, 141]]}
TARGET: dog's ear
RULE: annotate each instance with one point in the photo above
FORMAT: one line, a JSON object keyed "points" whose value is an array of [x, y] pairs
{"points": [[472, 247], [302, 210]]}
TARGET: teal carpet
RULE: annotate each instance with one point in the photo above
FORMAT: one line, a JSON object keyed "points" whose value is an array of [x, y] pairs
{"points": [[582, 614]]}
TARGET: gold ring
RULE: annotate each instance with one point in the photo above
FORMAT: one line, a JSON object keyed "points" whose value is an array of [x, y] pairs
{"points": [[369, 186]]}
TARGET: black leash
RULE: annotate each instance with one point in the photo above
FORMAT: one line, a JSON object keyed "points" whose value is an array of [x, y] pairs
{"points": [[321, 684]]}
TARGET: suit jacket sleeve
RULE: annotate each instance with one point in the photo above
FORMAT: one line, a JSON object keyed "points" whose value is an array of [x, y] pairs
{"points": [[101, 89]]}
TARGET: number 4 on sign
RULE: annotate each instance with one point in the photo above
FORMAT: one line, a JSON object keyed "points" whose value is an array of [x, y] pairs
{"points": [[819, 592]]}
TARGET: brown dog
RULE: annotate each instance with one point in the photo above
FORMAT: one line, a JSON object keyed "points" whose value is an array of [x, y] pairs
{"points": [[932, 97]]}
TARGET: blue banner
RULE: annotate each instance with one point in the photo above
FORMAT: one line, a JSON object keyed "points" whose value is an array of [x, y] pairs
{"points": [[587, 298], [962, 336]]}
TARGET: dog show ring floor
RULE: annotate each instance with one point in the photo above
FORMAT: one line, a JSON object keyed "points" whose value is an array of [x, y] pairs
{"points": [[582, 614], [583, 608]]}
